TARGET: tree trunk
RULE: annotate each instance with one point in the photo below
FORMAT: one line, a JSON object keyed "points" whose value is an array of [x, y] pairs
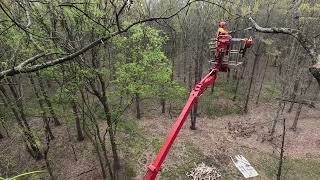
{"points": [[194, 116], [100, 93], [42, 109], [116, 161], [3, 124], [97, 137], [281, 151], [296, 118], [163, 105], [256, 59], [80, 136], [303, 91], [263, 76], [295, 86], [138, 115], [280, 109], [103, 171], [238, 81], [46, 152], [19, 114], [48, 102]]}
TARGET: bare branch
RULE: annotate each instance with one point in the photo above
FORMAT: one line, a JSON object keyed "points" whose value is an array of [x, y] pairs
{"points": [[28, 61], [17, 24], [305, 43], [308, 103], [85, 14], [26, 69], [116, 14], [7, 29], [303, 40]]}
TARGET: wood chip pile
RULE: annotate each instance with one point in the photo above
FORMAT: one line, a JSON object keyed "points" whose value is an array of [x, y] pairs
{"points": [[203, 172]]}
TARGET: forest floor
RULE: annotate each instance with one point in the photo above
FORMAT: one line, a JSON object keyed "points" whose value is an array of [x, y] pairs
{"points": [[214, 141], [218, 138]]}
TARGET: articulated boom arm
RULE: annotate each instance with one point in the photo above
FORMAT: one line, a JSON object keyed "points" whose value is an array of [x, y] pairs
{"points": [[199, 88], [222, 48]]}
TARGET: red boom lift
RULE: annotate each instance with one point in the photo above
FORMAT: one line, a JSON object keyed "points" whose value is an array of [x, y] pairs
{"points": [[222, 62]]}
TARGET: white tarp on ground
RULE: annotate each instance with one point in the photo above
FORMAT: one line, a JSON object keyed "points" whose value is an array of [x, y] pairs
{"points": [[244, 166]]}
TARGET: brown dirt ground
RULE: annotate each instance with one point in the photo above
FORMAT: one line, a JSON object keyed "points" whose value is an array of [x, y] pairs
{"points": [[214, 135], [220, 137]]}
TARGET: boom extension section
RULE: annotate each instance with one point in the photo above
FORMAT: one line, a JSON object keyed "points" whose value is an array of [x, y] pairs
{"points": [[197, 91]]}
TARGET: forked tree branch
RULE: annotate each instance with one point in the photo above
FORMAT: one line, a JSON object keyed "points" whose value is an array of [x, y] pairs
{"points": [[303, 40]]}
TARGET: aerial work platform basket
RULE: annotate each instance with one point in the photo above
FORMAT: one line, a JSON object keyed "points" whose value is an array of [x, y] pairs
{"points": [[231, 50]]}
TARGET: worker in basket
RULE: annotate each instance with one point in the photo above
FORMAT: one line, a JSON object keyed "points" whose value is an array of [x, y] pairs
{"points": [[222, 46], [223, 40]]}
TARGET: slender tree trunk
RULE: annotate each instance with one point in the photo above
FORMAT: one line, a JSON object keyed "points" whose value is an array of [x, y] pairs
{"points": [[19, 114], [280, 109], [101, 95], [194, 116], [103, 171], [295, 86], [48, 102], [303, 91], [163, 105], [238, 81], [116, 161], [42, 109], [296, 118], [138, 111], [95, 142], [281, 151], [80, 136], [3, 124], [71, 144], [46, 152], [195, 106], [108, 164], [256, 59], [263, 76], [18, 102]]}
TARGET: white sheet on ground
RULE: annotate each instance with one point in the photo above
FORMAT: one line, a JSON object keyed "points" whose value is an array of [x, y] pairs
{"points": [[244, 166]]}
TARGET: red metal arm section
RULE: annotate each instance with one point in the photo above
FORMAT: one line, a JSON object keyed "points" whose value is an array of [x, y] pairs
{"points": [[200, 87], [223, 46]]}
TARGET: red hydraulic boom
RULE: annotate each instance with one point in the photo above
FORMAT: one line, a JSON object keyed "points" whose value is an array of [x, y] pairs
{"points": [[222, 46]]}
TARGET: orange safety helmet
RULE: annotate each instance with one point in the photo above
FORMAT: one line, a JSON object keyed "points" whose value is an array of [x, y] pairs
{"points": [[222, 24]]}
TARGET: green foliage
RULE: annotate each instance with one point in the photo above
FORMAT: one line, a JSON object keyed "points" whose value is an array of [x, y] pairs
{"points": [[270, 91], [156, 144], [293, 168], [144, 69], [220, 102], [133, 143], [129, 171], [267, 166], [192, 156], [134, 138]]}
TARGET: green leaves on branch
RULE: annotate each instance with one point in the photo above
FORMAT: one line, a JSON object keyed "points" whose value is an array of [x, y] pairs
{"points": [[143, 68]]}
